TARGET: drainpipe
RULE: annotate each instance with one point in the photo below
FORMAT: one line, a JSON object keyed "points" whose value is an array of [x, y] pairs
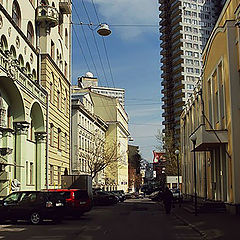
{"points": [[70, 100]]}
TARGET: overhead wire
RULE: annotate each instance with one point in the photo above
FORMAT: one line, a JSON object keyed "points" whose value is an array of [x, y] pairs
{"points": [[105, 48], [87, 44], [85, 59], [95, 41]]}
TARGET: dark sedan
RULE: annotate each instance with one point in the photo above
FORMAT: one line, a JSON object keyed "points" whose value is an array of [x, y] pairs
{"points": [[104, 198], [33, 206]]}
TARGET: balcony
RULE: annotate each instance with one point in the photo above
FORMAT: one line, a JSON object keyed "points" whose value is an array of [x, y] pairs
{"points": [[207, 139], [65, 6], [47, 15]]}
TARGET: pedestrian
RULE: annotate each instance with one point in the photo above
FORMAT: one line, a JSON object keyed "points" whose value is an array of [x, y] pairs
{"points": [[167, 198]]}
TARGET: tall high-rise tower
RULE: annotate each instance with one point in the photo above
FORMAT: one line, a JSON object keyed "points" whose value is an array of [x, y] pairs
{"points": [[185, 26]]}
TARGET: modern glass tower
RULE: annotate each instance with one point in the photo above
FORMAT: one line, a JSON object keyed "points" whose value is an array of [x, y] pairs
{"points": [[185, 26]]}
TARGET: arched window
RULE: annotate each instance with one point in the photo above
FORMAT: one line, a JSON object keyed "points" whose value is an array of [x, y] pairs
{"points": [[53, 4], [4, 43], [13, 52], [28, 68], [66, 37], [30, 32], [21, 61], [34, 74], [16, 13]]}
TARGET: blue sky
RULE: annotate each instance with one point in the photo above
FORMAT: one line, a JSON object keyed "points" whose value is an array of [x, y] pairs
{"points": [[133, 54]]}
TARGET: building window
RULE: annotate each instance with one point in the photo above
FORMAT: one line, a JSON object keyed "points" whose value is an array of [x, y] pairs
{"points": [[16, 13], [60, 24], [31, 134], [66, 37], [51, 174], [58, 99], [52, 49], [59, 138], [31, 173], [51, 92], [65, 69], [30, 32], [26, 172], [51, 134], [65, 106], [66, 142], [59, 175]]}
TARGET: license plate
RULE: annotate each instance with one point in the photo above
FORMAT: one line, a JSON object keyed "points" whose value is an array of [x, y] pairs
{"points": [[59, 204], [82, 202]]}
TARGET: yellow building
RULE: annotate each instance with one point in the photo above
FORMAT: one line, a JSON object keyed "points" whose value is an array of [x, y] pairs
{"points": [[113, 114], [53, 19], [212, 116]]}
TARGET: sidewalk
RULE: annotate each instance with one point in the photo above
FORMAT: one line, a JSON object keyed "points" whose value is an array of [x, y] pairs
{"points": [[211, 225]]}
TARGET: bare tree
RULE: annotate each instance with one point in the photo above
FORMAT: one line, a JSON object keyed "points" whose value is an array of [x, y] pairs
{"points": [[102, 155], [167, 145]]}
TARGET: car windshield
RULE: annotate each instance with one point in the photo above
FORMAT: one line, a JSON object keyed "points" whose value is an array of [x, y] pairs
{"points": [[12, 197], [65, 195]]}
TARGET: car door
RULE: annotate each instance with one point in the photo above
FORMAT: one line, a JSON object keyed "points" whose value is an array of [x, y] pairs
{"points": [[8, 208], [27, 202]]}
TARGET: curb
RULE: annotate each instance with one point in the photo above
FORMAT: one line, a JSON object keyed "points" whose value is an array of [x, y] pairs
{"points": [[203, 234]]}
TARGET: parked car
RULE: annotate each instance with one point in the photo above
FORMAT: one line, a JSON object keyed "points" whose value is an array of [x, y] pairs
{"points": [[177, 195], [77, 201], [34, 206], [104, 198], [156, 196], [120, 194]]}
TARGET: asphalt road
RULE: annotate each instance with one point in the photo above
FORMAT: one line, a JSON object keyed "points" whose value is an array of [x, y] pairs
{"points": [[133, 219]]}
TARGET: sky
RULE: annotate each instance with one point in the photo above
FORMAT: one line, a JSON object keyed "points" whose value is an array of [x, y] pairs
{"points": [[129, 58]]}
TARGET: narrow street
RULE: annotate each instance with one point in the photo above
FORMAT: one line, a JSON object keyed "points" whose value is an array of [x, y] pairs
{"points": [[133, 219]]}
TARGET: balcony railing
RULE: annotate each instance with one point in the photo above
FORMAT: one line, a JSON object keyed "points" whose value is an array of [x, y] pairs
{"points": [[48, 15], [65, 6]]}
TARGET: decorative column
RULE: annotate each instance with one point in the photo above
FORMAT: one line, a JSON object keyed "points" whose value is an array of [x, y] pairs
{"points": [[41, 175], [21, 131]]}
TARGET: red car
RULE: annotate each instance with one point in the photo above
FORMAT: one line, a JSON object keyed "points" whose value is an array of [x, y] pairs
{"points": [[77, 201]]}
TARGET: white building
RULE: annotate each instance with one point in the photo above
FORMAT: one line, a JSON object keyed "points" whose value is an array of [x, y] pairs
{"points": [[89, 81], [87, 129]]}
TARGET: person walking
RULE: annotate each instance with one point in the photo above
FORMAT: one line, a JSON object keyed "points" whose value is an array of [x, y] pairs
{"points": [[167, 198]]}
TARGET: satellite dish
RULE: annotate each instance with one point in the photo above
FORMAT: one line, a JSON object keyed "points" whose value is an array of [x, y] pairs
{"points": [[89, 74]]}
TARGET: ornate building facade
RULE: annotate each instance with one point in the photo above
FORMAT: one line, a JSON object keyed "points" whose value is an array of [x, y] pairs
{"points": [[26, 110]]}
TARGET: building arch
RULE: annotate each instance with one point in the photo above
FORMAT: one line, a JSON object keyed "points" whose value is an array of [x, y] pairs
{"points": [[37, 118], [13, 98]]}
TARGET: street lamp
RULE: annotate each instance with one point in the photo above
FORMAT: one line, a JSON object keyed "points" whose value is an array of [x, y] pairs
{"points": [[103, 28], [193, 138], [177, 154]]}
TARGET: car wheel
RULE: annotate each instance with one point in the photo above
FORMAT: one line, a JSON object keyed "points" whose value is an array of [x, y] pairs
{"points": [[35, 218]]}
